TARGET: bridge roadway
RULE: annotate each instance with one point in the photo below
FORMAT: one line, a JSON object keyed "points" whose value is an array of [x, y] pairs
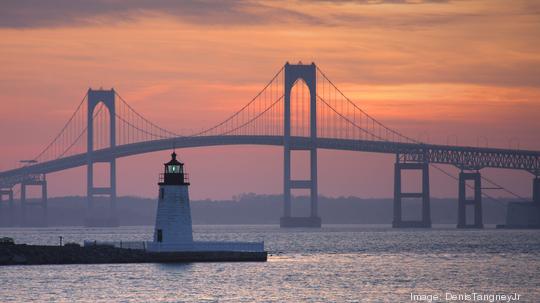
{"points": [[460, 156]]}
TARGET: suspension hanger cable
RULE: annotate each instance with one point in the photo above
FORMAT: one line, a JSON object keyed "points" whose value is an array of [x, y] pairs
{"points": [[36, 158], [365, 113]]}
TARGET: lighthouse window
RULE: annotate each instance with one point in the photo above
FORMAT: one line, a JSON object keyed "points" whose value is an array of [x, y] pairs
{"points": [[161, 193], [159, 235], [174, 169]]}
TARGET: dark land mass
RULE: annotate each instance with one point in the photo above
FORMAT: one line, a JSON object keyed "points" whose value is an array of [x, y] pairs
{"points": [[22, 254], [249, 209]]}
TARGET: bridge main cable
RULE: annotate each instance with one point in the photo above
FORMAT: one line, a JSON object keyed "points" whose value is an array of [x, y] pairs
{"points": [[64, 128], [170, 134], [407, 138]]}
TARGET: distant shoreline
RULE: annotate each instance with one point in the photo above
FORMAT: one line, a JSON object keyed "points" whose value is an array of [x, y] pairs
{"points": [[249, 209], [332, 225]]}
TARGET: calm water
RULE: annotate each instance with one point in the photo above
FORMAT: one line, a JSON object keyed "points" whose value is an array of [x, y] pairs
{"points": [[335, 264]]}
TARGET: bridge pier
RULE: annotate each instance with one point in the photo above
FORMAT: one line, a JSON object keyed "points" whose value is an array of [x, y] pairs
{"points": [[398, 222], [536, 189], [93, 217], [476, 201], [7, 218], [313, 220], [292, 74], [37, 180]]}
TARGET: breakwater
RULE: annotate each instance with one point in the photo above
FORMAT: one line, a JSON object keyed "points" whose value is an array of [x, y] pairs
{"points": [[22, 254]]}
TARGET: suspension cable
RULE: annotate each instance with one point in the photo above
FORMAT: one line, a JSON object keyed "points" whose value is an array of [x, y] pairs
{"points": [[80, 135], [503, 188], [468, 185], [365, 113], [63, 128], [244, 107], [351, 122], [144, 119]]}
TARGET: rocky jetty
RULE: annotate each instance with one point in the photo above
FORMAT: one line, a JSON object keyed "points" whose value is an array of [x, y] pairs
{"points": [[22, 254]]}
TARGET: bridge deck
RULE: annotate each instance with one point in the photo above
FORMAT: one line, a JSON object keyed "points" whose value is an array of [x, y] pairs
{"points": [[459, 156]]}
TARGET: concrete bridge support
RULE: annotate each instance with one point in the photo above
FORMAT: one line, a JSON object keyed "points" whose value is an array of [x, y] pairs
{"points": [[536, 189], [292, 74], [398, 222], [93, 216], [40, 181], [9, 193], [476, 201], [6, 217]]}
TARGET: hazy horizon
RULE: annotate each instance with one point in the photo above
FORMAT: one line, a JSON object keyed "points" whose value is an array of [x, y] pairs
{"points": [[247, 209], [239, 196]]}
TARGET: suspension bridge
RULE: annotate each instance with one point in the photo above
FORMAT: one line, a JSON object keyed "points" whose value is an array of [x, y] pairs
{"points": [[301, 109]]}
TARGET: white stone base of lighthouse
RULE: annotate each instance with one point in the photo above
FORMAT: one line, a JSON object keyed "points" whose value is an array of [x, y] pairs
{"points": [[205, 246]]}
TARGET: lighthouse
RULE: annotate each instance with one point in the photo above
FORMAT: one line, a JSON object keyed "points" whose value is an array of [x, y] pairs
{"points": [[173, 218], [173, 231]]}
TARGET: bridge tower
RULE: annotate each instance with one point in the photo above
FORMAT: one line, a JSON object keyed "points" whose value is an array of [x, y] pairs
{"points": [[476, 201], [536, 189], [425, 220], [107, 97], [307, 73]]}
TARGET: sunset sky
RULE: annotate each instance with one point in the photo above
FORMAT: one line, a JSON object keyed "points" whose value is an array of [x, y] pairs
{"points": [[441, 71]]}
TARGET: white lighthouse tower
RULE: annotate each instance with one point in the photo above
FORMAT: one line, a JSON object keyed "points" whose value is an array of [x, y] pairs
{"points": [[173, 220]]}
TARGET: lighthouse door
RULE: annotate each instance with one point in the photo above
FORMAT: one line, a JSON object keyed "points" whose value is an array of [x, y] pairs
{"points": [[159, 235]]}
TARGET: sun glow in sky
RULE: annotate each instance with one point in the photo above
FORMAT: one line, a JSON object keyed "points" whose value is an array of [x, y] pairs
{"points": [[441, 71]]}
